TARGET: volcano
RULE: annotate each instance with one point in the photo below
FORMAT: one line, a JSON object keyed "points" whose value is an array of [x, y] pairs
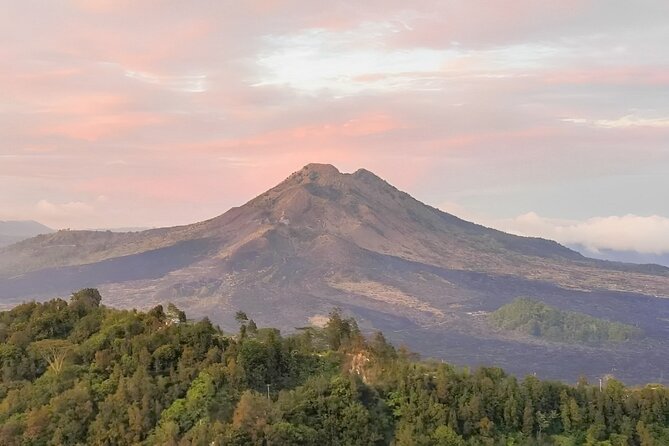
{"points": [[323, 239]]}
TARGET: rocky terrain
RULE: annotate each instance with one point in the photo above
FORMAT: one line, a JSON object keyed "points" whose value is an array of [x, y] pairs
{"points": [[322, 239]]}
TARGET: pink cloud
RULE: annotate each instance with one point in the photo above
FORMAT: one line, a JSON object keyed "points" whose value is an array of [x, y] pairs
{"points": [[109, 6], [85, 104], [322, 134], [369, 124], [94, 128]]}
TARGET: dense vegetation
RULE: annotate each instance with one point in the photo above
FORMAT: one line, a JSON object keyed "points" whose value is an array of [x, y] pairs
{"points": [[79, 373], [535, 318]]}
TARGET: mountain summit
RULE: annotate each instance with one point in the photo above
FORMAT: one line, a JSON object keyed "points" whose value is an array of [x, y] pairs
{"points": [[322, 239]]}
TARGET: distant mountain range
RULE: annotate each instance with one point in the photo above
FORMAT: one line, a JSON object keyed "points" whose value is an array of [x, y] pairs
{"points": [[324, 239], [624, 256], [15, 231]]}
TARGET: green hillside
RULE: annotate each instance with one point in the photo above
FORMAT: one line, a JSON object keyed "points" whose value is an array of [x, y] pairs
{"points": [[535, 318], [78, 373]]}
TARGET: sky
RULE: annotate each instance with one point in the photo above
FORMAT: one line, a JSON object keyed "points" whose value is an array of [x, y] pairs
{"points": [[546, 118]]}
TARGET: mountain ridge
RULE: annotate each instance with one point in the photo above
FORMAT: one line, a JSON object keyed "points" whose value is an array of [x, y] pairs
{"points": [[13, 231]]}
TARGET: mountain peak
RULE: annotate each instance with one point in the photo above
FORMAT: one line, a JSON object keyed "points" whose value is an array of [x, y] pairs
{"points": [[322, 173], [368, 176], [315, 173], [321, 169]]}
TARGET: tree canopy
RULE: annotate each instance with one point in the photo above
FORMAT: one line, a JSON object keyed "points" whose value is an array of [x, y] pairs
{"points": [[535, 318], [79, 373]]}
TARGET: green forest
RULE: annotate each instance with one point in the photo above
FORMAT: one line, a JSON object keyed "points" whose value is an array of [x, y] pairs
{"points": [[74, 372], [535, 318]]}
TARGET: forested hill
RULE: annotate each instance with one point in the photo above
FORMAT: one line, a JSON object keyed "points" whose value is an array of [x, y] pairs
{"points": [[535, 318], [78, 373]]}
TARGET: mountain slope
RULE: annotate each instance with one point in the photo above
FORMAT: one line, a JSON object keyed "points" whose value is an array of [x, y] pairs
{"points": [[322, 238], [15, 231]]}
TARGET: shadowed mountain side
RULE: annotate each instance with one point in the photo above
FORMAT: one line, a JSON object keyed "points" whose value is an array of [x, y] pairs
{"points": [[444, 322], [147, 265], [68, 248]]}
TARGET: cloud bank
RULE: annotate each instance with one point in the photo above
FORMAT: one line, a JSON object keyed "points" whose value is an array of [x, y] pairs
{"points": [[643, 234]]}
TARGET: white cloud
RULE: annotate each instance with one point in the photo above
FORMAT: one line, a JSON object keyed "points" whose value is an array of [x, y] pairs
{"points": [[58, 214], [318, 59], [626, 121], [363, 58], [644, 234]]}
